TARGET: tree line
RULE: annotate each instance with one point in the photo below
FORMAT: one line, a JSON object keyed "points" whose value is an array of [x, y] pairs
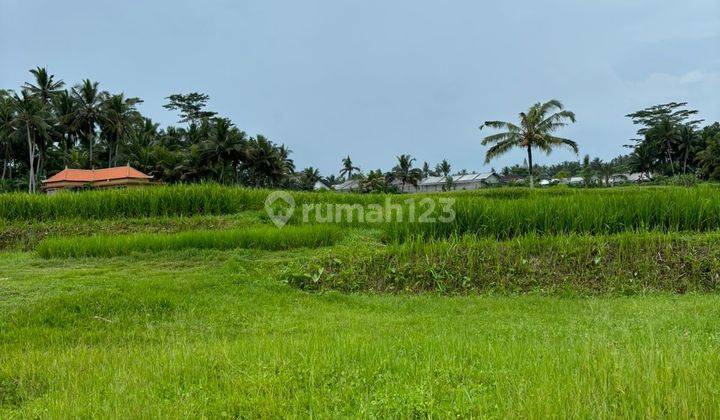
{"points": [[46, 126]]}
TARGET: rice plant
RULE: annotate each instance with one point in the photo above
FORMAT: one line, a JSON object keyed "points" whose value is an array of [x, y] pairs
{"points": [[264, 237], [590, 212]]}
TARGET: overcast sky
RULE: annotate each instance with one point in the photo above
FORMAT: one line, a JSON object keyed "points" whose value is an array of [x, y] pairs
{"points": [[377, 78]]}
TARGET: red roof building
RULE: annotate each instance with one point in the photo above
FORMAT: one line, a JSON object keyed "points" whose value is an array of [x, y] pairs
{"points": [[121, 176]]}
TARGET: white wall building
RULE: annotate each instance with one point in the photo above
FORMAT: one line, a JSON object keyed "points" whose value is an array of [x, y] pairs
{"points": [[460, 182]]}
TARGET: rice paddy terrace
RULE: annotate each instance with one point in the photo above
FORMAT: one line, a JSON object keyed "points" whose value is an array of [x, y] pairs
{"points": [[189, 301]]}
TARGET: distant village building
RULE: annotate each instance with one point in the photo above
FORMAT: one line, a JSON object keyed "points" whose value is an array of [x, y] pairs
{"points": [[433, 184], [407, 188], [348, 186], [461, 182], [320, 186], [68, 179], [636, 177]]}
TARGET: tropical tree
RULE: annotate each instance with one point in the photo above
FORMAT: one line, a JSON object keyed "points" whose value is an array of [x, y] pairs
{"points": [[375, 181], [89, 112], [348, 168], [405, 173], [31, 116], [191, 107], [118, 116], [443, 168], [308, 177], [264, 164], [65, 109], [535, 130], [607, 170], [226, 145], [45, 86]]}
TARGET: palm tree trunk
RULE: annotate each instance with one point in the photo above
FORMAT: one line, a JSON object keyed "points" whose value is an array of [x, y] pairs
{"points": [[669, 153], [31, 160], [6, 158], [530, 166], [90, 155]]}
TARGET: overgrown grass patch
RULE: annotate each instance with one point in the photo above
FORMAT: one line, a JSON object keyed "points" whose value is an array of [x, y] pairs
{"points": [[627, 263], [263, 237]]}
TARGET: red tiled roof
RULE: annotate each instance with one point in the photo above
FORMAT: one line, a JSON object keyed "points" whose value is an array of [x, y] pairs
{"points": [[93, 175]]}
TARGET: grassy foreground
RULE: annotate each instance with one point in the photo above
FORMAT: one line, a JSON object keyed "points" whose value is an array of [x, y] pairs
{"points": [[213, 333]]}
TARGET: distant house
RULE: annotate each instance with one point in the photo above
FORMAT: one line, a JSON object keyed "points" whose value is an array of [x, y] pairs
{"points": [[461, 182], [68, 179], [546, 182], [348, 186], [636, 177], [407, 188], [432, 184], [475, 181], [320, 186]]}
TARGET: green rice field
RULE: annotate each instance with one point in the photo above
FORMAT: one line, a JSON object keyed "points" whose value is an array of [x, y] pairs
{"points": [[188, 302]]}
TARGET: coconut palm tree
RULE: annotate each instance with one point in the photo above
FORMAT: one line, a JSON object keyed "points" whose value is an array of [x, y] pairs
{"points": [[348, 168], [89, 112], [225, 145], [535, 130], [32, 117], [118, 115], [443, 168], [405, 173], [308, 177], [264, 163], [64, 107], [45, 86]]}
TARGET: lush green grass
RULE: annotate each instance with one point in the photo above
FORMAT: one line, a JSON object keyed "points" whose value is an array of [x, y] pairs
{"points": [[627, 263], [539, 326], [261, 237], [26, 234], [213, 334], [211, 199], [589, 211]]}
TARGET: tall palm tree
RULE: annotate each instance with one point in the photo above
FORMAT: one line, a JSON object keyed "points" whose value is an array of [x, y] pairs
{"points": [[535, 130], [45, 86], [443, 168], [348, 168], [225, 145], [309, 176], [89, 112], [264, 162], [30, 116], [118, 115], [405, 173], [287, 163], [65, 106], [690, 143]]}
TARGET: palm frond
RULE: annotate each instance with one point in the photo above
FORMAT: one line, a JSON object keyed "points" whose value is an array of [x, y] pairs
{"points": [[499, 149]]}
